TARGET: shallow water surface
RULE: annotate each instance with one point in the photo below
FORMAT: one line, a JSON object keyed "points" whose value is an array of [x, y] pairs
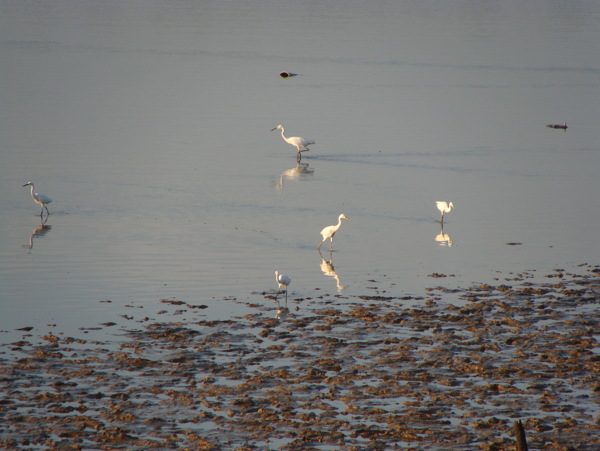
{"points": [[148, 124]]}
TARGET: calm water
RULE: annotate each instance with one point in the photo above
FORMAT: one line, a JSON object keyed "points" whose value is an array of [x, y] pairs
{"points": [[148, 123]]}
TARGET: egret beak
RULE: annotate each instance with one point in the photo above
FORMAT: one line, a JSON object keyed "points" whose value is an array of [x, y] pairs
{"points": [[274, 128]]}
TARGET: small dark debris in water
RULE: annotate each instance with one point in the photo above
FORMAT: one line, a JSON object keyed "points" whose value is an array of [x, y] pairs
{"points": [[558, 126], [514, 244], [286, 74], [26, 329], [172, 302], [109, 324]]}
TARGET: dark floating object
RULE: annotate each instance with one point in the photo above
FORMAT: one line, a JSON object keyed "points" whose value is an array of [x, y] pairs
{"points": [[287, 74], [559, 126], [514, 244]]}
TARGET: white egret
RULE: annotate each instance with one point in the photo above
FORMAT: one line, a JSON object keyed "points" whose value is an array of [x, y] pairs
{"points": [[329, 232], [444, 207], [300, 143], [282, 281], [39, 199]]}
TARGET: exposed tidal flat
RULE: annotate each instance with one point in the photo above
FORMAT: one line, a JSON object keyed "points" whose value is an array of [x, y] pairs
{"points": [[330, 372], [141, 313]]}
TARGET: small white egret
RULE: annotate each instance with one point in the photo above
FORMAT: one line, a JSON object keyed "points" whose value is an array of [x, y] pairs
{"points": [[282, 281], [39, 199], [444, 207], [329, 232], [300, 143]]}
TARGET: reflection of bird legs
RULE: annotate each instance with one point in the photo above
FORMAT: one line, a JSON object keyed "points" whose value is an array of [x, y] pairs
{"points": [[299, 155], [443, 238]]}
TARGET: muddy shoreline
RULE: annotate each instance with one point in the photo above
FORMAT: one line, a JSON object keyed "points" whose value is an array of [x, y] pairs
{"points": [[334, 372]]}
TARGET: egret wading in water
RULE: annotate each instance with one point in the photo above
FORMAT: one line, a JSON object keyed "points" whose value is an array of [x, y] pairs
{"points": [[300, 143], [39, 199], [282, 281], [444, 207], [329, 232]]}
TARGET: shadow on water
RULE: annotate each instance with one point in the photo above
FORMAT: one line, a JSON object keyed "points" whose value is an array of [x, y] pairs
{"points": [[393, 160]]}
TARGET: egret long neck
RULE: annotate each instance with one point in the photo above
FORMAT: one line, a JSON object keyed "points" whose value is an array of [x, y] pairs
{"points": [[282, 133]]}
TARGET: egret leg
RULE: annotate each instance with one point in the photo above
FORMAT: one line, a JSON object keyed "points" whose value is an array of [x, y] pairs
{"points": [[331, 245], [299, 156], [319, 246]]}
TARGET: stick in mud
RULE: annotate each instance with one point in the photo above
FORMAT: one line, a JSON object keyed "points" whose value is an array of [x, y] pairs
{"points": [[520, 435]]}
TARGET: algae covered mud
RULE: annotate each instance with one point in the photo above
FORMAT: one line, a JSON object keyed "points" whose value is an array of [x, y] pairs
{"points": [[449, 370]]}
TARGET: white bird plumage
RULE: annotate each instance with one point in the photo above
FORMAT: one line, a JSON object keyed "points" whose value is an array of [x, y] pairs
{"points": [[282, 281], [444, 207], [329, 232], [299, 143], [39, 199]]}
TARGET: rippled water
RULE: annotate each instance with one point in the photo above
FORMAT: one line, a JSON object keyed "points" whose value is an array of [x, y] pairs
{"points": [[148, 123]]}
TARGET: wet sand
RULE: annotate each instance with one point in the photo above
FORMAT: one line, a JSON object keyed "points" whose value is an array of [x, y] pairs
{"points": [[333, 372]]}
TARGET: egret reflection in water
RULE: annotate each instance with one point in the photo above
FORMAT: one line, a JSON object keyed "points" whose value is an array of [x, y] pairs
{"points": [[282, 312], [39, 231], [442, 238], [301, 170], [329, 270]]}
